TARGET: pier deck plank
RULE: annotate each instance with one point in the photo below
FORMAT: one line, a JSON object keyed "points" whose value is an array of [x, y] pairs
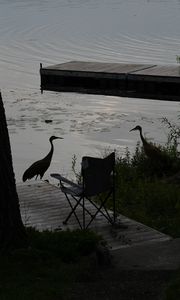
{"points": [[44, 206], [146, 81], [160, 71], [97, 67]]}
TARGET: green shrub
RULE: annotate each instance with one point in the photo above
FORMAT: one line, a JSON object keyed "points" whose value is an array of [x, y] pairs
{"points": [[143, 192], [48, 268], [67, 245]]}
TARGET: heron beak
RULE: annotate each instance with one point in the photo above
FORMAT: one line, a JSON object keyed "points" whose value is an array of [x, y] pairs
{"points": [[57, 137], [132, 129]]}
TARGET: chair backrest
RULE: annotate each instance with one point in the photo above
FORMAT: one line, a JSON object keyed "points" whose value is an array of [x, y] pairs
{"points": [[97, 174]]}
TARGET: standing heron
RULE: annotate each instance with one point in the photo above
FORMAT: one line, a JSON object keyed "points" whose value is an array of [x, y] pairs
{"points": [[151, 151], [39, 167]]}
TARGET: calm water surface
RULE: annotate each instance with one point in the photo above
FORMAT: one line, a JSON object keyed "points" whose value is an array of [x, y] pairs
{"points": [[50, 32]]}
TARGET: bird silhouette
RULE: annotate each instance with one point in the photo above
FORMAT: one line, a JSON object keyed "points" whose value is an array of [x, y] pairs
{"points": [[39, 167], [151, 151]]}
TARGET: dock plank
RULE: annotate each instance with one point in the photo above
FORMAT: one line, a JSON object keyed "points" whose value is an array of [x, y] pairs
{"points": [[119, 79], [161, 71], [97, 67], [44, 206]]}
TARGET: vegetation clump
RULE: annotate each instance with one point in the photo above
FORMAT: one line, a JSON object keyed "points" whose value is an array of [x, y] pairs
{"points": [[144, 193], [67, 245], [49, 267], [148, 191]]}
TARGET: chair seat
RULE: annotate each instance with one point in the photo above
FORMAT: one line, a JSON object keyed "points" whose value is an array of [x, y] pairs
{"points": [[73, 190], [71, 187]]}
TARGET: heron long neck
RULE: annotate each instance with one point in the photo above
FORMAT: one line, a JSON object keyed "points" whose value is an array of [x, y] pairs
{"points": [[50, 154], [142, 138]]}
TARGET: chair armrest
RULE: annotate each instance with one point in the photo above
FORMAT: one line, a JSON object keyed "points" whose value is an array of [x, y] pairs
{"points": [[61, 178]]}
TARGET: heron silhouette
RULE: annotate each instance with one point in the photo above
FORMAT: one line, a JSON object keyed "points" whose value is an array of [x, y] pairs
{"points": [[39, 167], [152, 151]]}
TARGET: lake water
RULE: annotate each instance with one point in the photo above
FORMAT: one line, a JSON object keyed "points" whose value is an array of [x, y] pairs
{"points": [[56, 31]]}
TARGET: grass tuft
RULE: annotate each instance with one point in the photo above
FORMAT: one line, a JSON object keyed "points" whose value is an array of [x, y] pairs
{"points": [[49, 267]]}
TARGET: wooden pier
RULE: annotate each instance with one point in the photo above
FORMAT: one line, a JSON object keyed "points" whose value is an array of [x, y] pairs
{"points": [[44, 206], [119, 79]]}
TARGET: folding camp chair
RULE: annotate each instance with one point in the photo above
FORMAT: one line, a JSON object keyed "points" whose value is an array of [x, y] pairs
{"points": [[97, 181]]}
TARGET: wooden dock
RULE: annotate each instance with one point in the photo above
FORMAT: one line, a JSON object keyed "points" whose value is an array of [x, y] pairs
{"points": [[119, 79], [44, 206]]}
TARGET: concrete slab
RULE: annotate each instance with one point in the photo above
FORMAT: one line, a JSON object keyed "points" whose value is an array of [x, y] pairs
{"points": [[153, 256]]}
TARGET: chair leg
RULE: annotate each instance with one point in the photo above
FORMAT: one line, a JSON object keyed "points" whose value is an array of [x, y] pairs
{"points": [[86, 210], [114, 209], [99, 210], [103, 206], [84, 222], [73, 208]]}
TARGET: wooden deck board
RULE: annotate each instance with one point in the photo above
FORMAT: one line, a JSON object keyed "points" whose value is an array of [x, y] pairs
{"points": [[97, 67], [161, 71], [120, 79], [44, 206]]}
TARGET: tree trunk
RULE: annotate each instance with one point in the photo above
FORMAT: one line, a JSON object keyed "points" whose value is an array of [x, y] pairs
{"points": [[12, 231]]}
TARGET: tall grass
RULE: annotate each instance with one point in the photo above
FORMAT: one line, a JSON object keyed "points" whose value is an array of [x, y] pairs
{"points": [[143, 191]]}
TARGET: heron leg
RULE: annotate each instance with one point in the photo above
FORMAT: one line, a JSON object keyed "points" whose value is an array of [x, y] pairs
{"points": [[36, 177]]}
